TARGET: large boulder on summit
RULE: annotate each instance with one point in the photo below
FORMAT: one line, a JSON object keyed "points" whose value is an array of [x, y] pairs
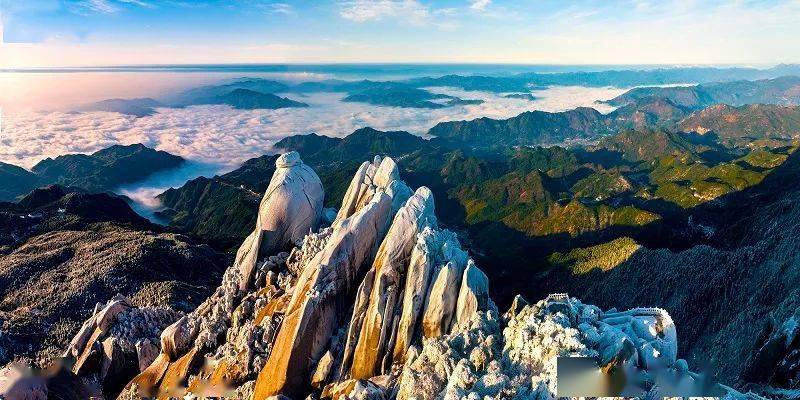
{"points": [[291, 207]]}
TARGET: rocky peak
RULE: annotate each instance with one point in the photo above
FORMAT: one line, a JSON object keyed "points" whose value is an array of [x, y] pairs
{"points": [[382, 304]]}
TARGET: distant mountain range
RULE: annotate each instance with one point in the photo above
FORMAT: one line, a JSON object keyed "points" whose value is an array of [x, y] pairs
{"points": [[642, 108], [525, 82], [401, 95], [733, 86], [782, 91], [101, 171], [383, 93], [136, 107]]}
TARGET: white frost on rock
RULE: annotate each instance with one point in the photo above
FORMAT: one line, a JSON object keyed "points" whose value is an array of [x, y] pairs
{"points": [[478, 361]]}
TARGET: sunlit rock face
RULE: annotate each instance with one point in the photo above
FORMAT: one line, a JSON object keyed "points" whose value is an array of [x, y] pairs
{"points": [[223, 325], [290, 208], [377, 312], [371, 177], [318, 299]]}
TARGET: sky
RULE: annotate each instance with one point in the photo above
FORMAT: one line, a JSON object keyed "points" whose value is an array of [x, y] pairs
{"points": [[64, 33]]}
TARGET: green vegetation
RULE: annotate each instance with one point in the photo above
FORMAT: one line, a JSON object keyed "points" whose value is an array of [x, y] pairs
{"points": [[764, 159], [604, 256], [601, 185], [740, 126], [688, 183], [102, 171]]}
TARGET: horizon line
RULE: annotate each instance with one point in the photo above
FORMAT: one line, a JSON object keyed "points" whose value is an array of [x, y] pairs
{"points": [[372, 63]]}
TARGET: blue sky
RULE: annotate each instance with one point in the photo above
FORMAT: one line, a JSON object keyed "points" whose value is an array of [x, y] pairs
{"points": [[112, 32]]}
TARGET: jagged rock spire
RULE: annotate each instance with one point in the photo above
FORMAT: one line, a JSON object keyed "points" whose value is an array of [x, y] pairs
{"points": [[317, 303], [380, 316]]}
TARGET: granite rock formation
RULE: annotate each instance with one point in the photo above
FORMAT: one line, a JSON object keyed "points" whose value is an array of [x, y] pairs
{"points": [[381, 304]]}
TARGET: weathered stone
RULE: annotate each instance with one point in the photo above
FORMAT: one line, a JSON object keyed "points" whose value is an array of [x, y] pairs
{"points": [[388, 270], [290, 208], [354, 389], [106, 316], [473, 295], [175, 339], [323, 370], [370, 178], [146, 353], [311, 316], [441, 302], [517, 305], [418, 276]]}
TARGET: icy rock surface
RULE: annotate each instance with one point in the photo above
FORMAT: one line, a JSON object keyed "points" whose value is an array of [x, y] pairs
{"points": [[480, 358]]}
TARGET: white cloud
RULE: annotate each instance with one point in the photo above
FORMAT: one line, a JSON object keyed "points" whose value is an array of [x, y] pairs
{"points": [[94, 6], [85, 7], [139, 3], [479, 5], [220, 134], [375, 10], [281, 8]]}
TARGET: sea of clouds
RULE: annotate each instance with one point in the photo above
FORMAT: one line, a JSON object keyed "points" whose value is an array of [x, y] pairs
{"points": [[216, 139], [226, 136]]}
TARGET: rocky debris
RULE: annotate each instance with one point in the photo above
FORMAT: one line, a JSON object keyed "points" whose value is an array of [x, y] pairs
{"points": [[355, 389], [482, 358], [117, 342]]}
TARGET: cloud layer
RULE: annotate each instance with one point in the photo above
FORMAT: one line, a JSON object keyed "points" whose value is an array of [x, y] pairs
{"points": [[222, 135]]}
